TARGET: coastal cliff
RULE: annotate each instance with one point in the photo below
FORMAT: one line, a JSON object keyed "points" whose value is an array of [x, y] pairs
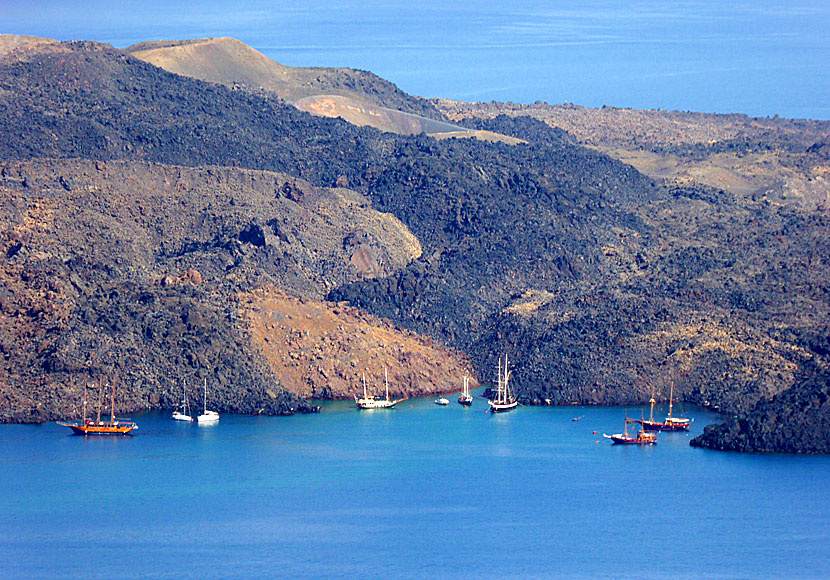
{"points": [[153, 225]]}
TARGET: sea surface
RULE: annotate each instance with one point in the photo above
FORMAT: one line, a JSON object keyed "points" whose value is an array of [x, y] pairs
{"points": [[762, 58], [421, 491]]}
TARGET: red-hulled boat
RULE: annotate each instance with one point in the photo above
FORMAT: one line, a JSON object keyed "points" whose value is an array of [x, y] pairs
{"points": [[669, 424], [625, 438]]}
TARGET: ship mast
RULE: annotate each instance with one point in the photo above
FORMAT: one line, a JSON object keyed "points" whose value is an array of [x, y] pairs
{"points": [[671, 396], [386, 380], [84, 403], [100, 386], [112, 404]]}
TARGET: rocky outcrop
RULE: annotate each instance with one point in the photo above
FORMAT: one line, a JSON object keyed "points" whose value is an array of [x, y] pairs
{"points": [[794, 421]]}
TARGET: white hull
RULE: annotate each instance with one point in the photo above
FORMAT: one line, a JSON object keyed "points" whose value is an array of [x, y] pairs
{"points": [[208, 417], [374, 404], [442, 401], [182, 417], [499, 407]]}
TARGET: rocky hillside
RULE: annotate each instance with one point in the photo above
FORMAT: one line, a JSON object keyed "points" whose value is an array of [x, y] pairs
{"points": [[784, 160], [133, 269], [600, 282]]}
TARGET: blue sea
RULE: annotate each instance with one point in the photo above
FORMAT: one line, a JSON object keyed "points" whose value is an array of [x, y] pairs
{"points": [[421, 491], [762, 58]]}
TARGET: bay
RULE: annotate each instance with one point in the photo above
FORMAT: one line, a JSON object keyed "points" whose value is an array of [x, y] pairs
{"points": [[418, 491]]}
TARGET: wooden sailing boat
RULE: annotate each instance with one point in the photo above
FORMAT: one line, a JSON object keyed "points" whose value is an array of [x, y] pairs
{"points": [[642, 438], [184, 415], [465, 398], [207, 416], [670, 423], [370, 402], [98, 427], [505, 400]]}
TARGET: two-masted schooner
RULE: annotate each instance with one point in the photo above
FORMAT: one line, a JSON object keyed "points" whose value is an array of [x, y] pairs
{"points": [[465, 398], [371, 402], [669, 423]]}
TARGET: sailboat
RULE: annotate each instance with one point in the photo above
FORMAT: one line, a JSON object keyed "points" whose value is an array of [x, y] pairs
{"points": [[465, 398], [505, 400], [642, 438], [370, 402], [207, 416], [670, 423], [98, 427], [184, 415]]}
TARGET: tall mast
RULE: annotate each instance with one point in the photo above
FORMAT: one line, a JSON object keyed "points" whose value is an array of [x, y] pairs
{"points": [[100, 386], [112, 403], [652, 401], [84, 403], [386, 380], [205, 395], [671, 396], [498, 389], [364, 385]]}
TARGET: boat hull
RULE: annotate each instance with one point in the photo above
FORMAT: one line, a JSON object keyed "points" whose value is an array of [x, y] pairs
{"points": [[105, 429], [465, 401], [621, 439], [209, 417], [503, 407], [658, 426], [376, 404]]}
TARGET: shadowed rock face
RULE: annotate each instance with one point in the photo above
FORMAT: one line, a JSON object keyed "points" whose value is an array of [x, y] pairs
{"points": [[598, 282]]}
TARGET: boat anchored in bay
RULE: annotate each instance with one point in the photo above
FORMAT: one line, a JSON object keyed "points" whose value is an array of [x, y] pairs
{"points": [[98, 427], [465, 398], [625, 438], [371, 402], [505, 400], [207, 416], [669, 424], [184, 415]]}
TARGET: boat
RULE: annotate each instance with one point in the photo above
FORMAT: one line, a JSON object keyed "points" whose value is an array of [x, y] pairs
{"points": [[625, 438], [505, 400], [441, 400], [669, 423], [99, 427], [207, 416], [371, 402], [184, 415], [465, 398]]}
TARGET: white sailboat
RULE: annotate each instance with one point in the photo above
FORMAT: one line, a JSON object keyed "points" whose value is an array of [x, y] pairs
{"points": [[370, 402], [465, 398], [505, 400], [207, 416], [184, 415]]}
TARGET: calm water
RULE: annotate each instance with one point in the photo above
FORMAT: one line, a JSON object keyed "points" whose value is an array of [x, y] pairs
{"points": [[419, 491], [763, 57]]}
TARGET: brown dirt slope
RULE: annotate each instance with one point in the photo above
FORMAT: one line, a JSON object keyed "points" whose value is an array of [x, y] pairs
{"points": [[321, 349], [231, 63]]}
